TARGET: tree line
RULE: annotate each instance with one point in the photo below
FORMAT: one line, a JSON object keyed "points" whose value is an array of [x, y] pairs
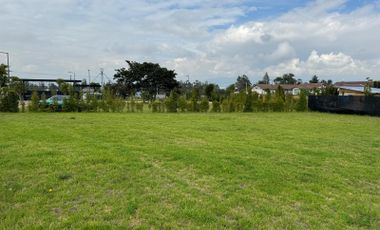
{"points": [[155, 88]]}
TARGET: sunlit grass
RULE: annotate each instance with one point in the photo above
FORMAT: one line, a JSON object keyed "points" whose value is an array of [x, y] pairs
{"points": [[258, 170]]}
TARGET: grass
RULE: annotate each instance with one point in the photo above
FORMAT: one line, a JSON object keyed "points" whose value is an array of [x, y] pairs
{"points": [[238, 171]]}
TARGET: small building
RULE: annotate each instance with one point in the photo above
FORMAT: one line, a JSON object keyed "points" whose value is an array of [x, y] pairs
{"points": [[356, 91], [293, 89]]}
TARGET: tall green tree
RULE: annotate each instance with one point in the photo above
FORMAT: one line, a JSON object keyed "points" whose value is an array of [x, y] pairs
{"points": [[265, 80], [209, 90], [149, 78], [243, 83], [314, 79], [288, 78]]}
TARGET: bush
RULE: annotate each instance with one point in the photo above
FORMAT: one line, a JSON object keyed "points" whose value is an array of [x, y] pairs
{"points": [[156, 106], [302, 102], [195, 106], [140, 107], [35, 102], [9, 102], [289, 103], [171, 102], [70, 104], [182, 104], [216, 106], [225, 105], [204, 105], [43, 104], [248, 105], [189, 106]]}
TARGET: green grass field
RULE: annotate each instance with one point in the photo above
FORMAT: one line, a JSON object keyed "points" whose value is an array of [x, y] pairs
{"points": [[238, 171]]}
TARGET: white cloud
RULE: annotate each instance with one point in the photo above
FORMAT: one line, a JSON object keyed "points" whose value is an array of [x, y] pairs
{"points": [[205, 39], [347, 43]]}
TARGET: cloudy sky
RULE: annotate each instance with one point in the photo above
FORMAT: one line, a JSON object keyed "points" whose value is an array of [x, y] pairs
{"points": [[214, 40]]}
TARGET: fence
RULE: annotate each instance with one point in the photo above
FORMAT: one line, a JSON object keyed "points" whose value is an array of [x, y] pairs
{"points": [[346, 104]]}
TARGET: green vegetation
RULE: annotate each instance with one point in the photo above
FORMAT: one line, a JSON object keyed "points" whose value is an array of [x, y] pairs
{"points": [[213, 171]]}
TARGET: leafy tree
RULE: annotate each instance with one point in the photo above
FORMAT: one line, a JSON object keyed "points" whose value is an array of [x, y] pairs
{"points": [[145, 77], [243, 83], [314, 79], [209, 90], [230, 89], [265, 80], [286, 79]]}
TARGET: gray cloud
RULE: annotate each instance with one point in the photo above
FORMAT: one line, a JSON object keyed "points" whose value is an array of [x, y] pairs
{"points": [[201, 38]]}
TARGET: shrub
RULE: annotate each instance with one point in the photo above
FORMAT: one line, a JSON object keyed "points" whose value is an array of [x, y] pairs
{"points": [[248, 104], [54, 106], [43, 103], [302, 102], [34, 103], [171, 102], [288, 106], [117, 105], [204, 105], [189, 106], [225, 105], [195, 106], [140, 107], [70, 104], [9, 102], [156, 106], [216, 106], [182, 104]]}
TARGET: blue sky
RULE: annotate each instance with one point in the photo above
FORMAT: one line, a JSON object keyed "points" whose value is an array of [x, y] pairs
{"points": [[205, 39]]}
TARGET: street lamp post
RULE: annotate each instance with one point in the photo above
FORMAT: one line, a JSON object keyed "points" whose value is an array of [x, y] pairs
{"points": [[9, 70]]}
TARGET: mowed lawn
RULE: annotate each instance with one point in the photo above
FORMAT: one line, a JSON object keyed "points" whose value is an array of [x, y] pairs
{"points": [[205, 171]]}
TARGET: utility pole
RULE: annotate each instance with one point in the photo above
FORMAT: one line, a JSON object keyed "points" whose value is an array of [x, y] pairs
{"points": [[89, 77], [9, 67], [102, 76]]}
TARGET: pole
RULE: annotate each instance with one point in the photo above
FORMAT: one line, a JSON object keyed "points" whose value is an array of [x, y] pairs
{"points": [[8, 66], [102, 76], [89, 77]]}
